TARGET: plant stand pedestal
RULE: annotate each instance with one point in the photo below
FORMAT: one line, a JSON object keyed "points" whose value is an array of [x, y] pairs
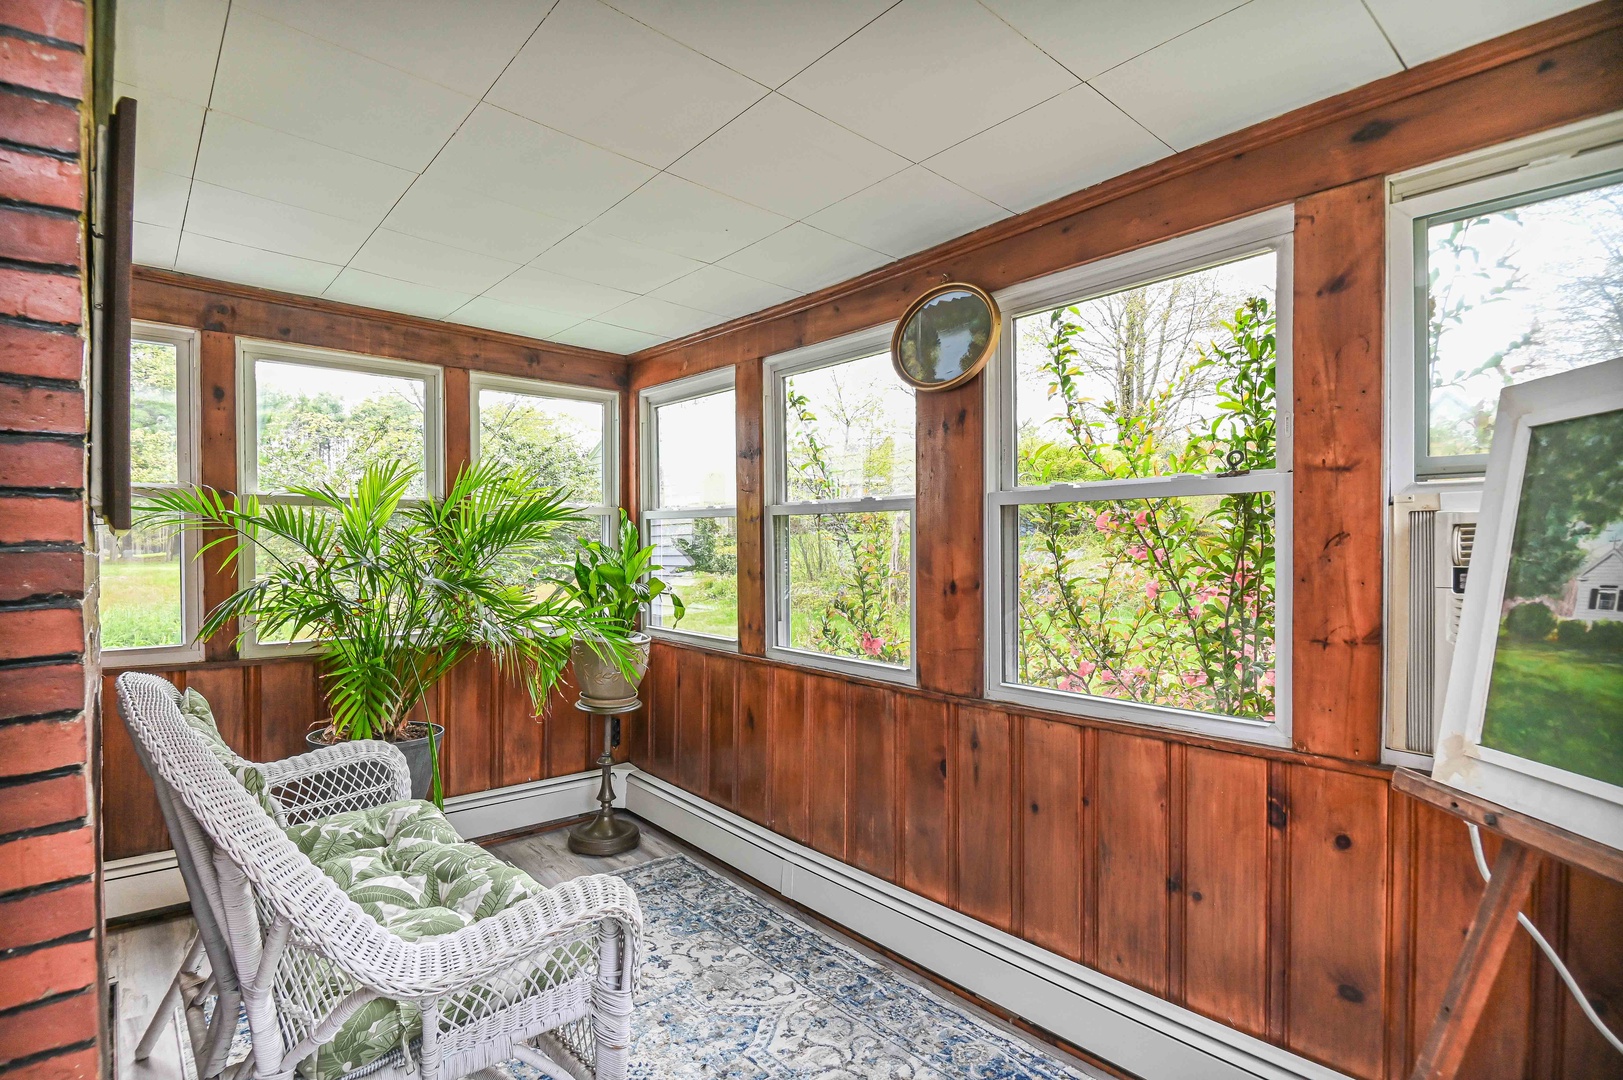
{"points": [[604, 833]]}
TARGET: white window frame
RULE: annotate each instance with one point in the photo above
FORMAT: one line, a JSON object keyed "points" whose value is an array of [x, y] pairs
{"points": [[704, 384], [249, 352], [778, 508], [1575, 157], [188, 428], [608, 511], [1269, 231]]}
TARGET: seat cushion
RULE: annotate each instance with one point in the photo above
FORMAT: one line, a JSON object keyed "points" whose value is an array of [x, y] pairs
{"points": [[405, 866], [195, 710]]}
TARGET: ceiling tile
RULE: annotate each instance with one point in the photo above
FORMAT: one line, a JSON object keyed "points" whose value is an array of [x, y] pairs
{"points": [[425, 262], [493, 314], [907, 212], [1426, 31], [535, 287], [927, 74], [208, 257], [614, 339], [463, 46], [390, 294], [473, 222], [1063, 145], [654, 316], [521, 162], [170, 46], [681, 217], [1192, 89], [272, 226], [167, 130], [336, 97], [768, 40], [803, 258], [786, 158], [593, 73], [608, 260], [288, 169], [160, 197], [724, 292], [155, 245], [1108, 32]]}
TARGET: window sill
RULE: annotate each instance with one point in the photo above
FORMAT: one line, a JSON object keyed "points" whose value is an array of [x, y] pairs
{"points": [[841, 665], [698, 641], [1276, 734]]}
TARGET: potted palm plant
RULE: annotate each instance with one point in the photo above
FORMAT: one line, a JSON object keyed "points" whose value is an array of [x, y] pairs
{"points": [[395, 595], [615, 583]]}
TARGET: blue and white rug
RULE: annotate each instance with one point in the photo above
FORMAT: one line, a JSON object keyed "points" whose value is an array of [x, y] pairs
{"points": [[733, 987]]}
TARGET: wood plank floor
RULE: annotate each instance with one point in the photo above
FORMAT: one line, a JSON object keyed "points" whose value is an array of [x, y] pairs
{"points": [[142, 957]]}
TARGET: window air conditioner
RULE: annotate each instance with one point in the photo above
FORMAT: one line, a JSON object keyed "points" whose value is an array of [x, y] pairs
{"points": [[1431, 551]]}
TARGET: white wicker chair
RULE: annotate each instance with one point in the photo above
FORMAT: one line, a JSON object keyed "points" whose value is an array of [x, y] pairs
{"points": [[304, 957]]}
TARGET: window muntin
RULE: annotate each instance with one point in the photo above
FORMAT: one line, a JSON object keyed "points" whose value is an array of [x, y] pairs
{"points": [[568, 435], [690, 483], [840, 474], [307, 417], [149, 594], [1138, 525], [1514, 289]]}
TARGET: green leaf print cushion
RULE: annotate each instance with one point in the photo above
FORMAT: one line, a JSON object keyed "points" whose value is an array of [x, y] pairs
{"points": [[194, 709]]}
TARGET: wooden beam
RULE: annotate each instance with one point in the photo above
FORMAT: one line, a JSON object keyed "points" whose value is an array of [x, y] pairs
{"points": [[217, 407], [752, 553], [950, 486], [1485, 946]]}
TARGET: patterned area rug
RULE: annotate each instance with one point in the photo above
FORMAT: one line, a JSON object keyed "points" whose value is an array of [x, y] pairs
{"points": [[732, 988]]}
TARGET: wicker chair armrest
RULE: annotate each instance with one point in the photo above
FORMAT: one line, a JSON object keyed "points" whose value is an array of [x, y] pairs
{"points": [[452, 962], [354, 775]]}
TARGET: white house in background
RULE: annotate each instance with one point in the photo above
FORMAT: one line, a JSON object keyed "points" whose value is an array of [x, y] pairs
{"points": [[1597, 590]]}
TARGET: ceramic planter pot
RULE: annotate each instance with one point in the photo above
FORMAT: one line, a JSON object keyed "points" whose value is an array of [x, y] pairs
{"points": [[599, 680], [418, 758]]}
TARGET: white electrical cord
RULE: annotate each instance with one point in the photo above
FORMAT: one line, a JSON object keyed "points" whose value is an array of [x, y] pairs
{"points": [[1549, 951]]}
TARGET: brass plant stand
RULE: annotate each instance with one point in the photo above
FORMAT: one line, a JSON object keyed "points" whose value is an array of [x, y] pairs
{"points": [[604, 833]]}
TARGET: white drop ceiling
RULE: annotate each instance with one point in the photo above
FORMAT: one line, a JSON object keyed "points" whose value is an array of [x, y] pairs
{"points": [[617, 174]]}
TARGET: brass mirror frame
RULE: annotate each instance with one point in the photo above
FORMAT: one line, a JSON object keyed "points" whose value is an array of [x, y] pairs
{"points": [[913, 309]]}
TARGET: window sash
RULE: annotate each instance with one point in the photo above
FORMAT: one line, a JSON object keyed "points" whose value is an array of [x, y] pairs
{"points": [[608, 399], [1269, 231], [188, 452]]}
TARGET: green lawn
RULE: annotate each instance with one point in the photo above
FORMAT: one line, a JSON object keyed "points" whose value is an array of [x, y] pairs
{"points": [[1559, 706], [140, 603], [712, 603]]}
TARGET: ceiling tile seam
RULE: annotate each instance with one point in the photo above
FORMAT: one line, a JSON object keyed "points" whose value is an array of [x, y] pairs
{"points": [[684, 45], [1390, 44], [1182, 33], [202, 130], [835, 46], [1141, 125], [1029, 40], [413, 183]]}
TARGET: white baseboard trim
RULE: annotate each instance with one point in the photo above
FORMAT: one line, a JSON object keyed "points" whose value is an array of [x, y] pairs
{"points": [[152, 882], [1135, 1030]]}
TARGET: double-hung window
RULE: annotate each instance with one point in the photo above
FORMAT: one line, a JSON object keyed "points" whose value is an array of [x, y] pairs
{"points": [[310, 417], [1503, 266], [1139, 514], [839, 475], [566, 436], [689, 497], [150, 594]]}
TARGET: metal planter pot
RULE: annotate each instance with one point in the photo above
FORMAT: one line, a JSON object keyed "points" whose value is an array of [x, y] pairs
{"points": [[599, 680], [418, 758]]}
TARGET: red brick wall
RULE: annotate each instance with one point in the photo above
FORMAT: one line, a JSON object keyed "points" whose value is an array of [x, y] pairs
{"points": [[50, 1012]]}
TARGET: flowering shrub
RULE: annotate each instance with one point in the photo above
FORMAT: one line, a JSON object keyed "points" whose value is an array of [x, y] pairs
{"points": [[1168, 600]]}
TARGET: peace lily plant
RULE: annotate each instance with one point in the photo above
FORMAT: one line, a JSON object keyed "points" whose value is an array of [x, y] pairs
{"points": [[394, 594]]}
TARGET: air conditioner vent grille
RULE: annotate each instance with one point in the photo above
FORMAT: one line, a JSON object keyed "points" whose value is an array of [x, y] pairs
{"points": [[1464, 539]]}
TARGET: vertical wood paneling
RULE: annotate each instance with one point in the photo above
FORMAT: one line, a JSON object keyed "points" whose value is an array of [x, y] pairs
{"points": [[828, 745], [721, 692], [873, 781], [1336, 974], [662, 714], [986, 829], [751, 502], [566, 730], [790, 746], [1225, 898], [1340, 260], [1133, 872], [217, 468], [692, 735], [458, 432], [1594, 954], [223, 687], [925, 769], [754, 739], [467, 709], [288, 694], [950, 487], [1051, 851], [132, 821], [521, 733]]}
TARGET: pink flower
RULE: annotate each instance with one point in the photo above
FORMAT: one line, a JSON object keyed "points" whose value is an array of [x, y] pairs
{"points": [[1152, 590], [1070, 685], [1141, 517], [1137, 551], [1138, 671], [1194, 678], [1160, 555], [872, 645], [1084, 668], [1267, 678], [1104, 521]]}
